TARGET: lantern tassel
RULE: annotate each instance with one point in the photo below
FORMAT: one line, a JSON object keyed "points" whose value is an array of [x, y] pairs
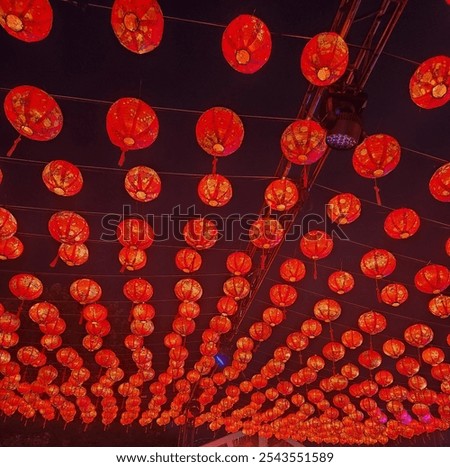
{"points": [[315, 270], [263, 261], [377, 287], [377, 192], [55, 260], [305, 177], [14, 146], [19, 311], [122, 269], [80, 321], [122, 158]]}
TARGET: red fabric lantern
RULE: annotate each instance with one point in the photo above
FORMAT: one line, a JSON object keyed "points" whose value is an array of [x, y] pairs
{"points": [[260, 331], [245, 343], [266, 233], [188, 290], [315, 245], [378, 263], [273, 316], [418, 335], [215, 190], [62, 178], [401, 223], [236, 287], [189, 309], [8, 224], [407, 366], [303, 142], [68, 227], [201, 234], [219, 131], [227, 306], [372, 322], [394, 294], [440, 183], [433, 356], [369, 359], [394, 348], [10, 248], [384, 378], [220, 324], [341, 282], [33, 113], [283, 295], [440, 306], [138, 290], [85, 291], [447, 246], [132, 258], [246, 44], [131, 124], [292, 270], [297, 341], [333, 351], [344, 208], [429, 85], [188, 260], [43, 312], [138, 24], [239, 263], [25, 286], [142, 184], [432, 279], [311, 328], [324, 59], [135, 232], [327, 310], [281, 194], [352, 339], [73, 255], [95, 312], [27, 21]]}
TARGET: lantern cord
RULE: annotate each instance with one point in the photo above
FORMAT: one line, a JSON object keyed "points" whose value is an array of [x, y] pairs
{"points": [[121, 159], [377, 192], [263, 261], [286, 170], [13, 147], [305, 177], [80, 321], [122, 269], [214, 165], [315, 269], [331, 332], [377, 287], [55, 260], [19, 311]]}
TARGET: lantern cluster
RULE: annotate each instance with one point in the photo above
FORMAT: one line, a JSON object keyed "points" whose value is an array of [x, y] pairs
{"points": [[47, 316], [135, 235], [11, 246]]}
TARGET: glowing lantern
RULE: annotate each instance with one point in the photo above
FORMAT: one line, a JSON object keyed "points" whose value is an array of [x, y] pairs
{"points": [[350, 371], [315, 245], [135, 232], [352, 339], [68, 227], [215, 190], [344, 208], [92, 343], [429, 85], [369, 359], [394, 348], [138, 290], [282, 295], [200, 234], [239, 263], [401, 223], [132, 258], [95, 312], [43, 312], [188, 290], [273, 316], [418, 335], [440, 183], [297, 341], [303, 142], [394, 294], [246, 44], [281, 194], [85, 291], [62, 178], [407, 366], [219, 132], [324, 59], [25, 286], [10, 248], [372, 322], [33, 113], [138, 25], [377, 264], [432, 279], [266, 233], [142, 184], [433, 356], [188, 260], [131, 124], [260, 331], [327, 310], [220, 324], [341, 282], [236, 287], [311, 328], [333, 351], [227, 306], [440, 306], [292, 270], [28, 22], [8, 224], [73, 255]]}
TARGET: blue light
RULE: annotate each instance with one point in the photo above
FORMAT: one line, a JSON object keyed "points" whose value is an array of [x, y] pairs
{"points": [[221, 360]]}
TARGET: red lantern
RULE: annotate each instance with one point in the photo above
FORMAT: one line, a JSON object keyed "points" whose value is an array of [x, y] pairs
{"points": [[236, 287], [429, 85], [352, 339], [327, 310], [384, 378], [292, 270], [138, 290], [189, 309], [283, 295], [407, 366], [303, 142], [281, 195], [68, 227], [344, 208], [315, 245], [333, 351], [131, 124], [95, 312], [311, 328], [10, 248], [341, 282], [220, 324], [440, 306], [132, 258], [33, 113], [25, 286], [260, 331], [378, 263], [297, 341], [432, 279], [324, 59], [394, 294], [8, 224], [239, 263], [85, 291], [28, 22], [266, 233], [394, 348], [219, 131], [201, 234], [433, 356], [43, 312], [215, 190], [273, 316], [138, 25], [369, 359], [188, 290], [188, 260], [142, 184], [440, 183], [73, 255], [372, 322], [418, 335], [401, 223], [246, 44], [135, 232], [62, 178], [227, 306]]}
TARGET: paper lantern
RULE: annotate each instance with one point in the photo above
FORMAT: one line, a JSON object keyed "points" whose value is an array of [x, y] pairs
{"points": [[324, 59], [188, 260], [281, 194], [132, 258], [440, 183], [266, 233], [219, 131], [433, 356], [95, 312], [25, 286], [440, 306], [73, 255], [401, 223], [227, 306], [352, 339], [10, 248], [33, 113], [292, 270], [378, 263], [131, 124], [239, 263], [220, 324], [8, 224], [341, 282], [273, 316], [327, 310], [297, 341], [137, 24], [315, 245], [85, 291], [138, 290], [344, 208], [135, 232], [215, 190], [142, 184], [62, 178], [369, 359], [246, 44], [407, 366], [372, 322], [27, 21], [260, 331], [189, 309], [68, 227], [418, 335], [394, 348], [429, 85], [200, 234], [311, 328], [282, 295], [432, 279], [236, 287], [303, 142], [333, 351], [394, 294], [43, 312], [188, 290]]}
